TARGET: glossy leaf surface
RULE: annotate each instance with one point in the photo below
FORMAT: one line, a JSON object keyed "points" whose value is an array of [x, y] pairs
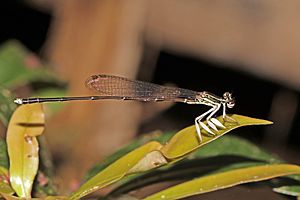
{"points": [[117, 170], [225, 154], [157, 136], [235, 146], [156, 156], [186, 140], [26, 123], [225, 180]]}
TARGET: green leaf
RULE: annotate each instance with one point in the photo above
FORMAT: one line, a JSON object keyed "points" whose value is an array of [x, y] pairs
{"points": [[118, 170], [235, 146], [158, 158], [186, 140], [26, 123], [292, 190], [6, 105], [229, 152], [228, 145], [183, 171], [4, 182], [19, 66], [225, 180], [5, 188], [3, 154], [157, 136]]}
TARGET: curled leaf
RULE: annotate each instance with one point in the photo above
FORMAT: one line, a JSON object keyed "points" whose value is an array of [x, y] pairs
{"points": [[26, 123], [151, 160], [117, 170], [186, 140], [225, 180], [157, 136]]}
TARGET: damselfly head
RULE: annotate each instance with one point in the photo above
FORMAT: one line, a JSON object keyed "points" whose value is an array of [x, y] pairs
{"points": [[229, 100]]}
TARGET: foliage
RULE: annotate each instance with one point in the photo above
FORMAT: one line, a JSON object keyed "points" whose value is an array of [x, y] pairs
{"points": [[18, 66], [29, 120], [215, 163]]}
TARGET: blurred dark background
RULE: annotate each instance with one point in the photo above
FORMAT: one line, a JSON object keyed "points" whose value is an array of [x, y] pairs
{"points": [[260, 90]]}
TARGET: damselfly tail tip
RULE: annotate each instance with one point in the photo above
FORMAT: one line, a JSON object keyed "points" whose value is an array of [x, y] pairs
{"points": [[18, 101]]}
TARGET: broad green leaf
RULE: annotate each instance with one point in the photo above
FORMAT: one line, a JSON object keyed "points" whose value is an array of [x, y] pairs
{"points": [[292, 190], [186, 140], [225, 180], [117, 170], [150, 160], [157, 136], [4, 182], [228, 153], [182, 171], [229, 145], [26, 123], [6, 105], [3, 154], [235, 146], [224, 152], [19, 66]]}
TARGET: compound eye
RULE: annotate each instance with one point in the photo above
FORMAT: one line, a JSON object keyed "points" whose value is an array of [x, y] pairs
{"points": [[230, 104]]}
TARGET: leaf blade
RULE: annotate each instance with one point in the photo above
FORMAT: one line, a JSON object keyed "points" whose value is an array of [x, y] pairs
{"points": [[116, 170], [26, 123], [6, 105], [19, 66], [186, 140], [225, 180], [292, 190], [4, 182]]}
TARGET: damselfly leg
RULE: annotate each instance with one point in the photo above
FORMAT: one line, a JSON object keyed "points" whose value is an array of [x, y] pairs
{"points": [[216, 103]]}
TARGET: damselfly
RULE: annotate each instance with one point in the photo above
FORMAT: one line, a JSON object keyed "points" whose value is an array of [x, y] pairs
{"points": [[115, 87]]}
